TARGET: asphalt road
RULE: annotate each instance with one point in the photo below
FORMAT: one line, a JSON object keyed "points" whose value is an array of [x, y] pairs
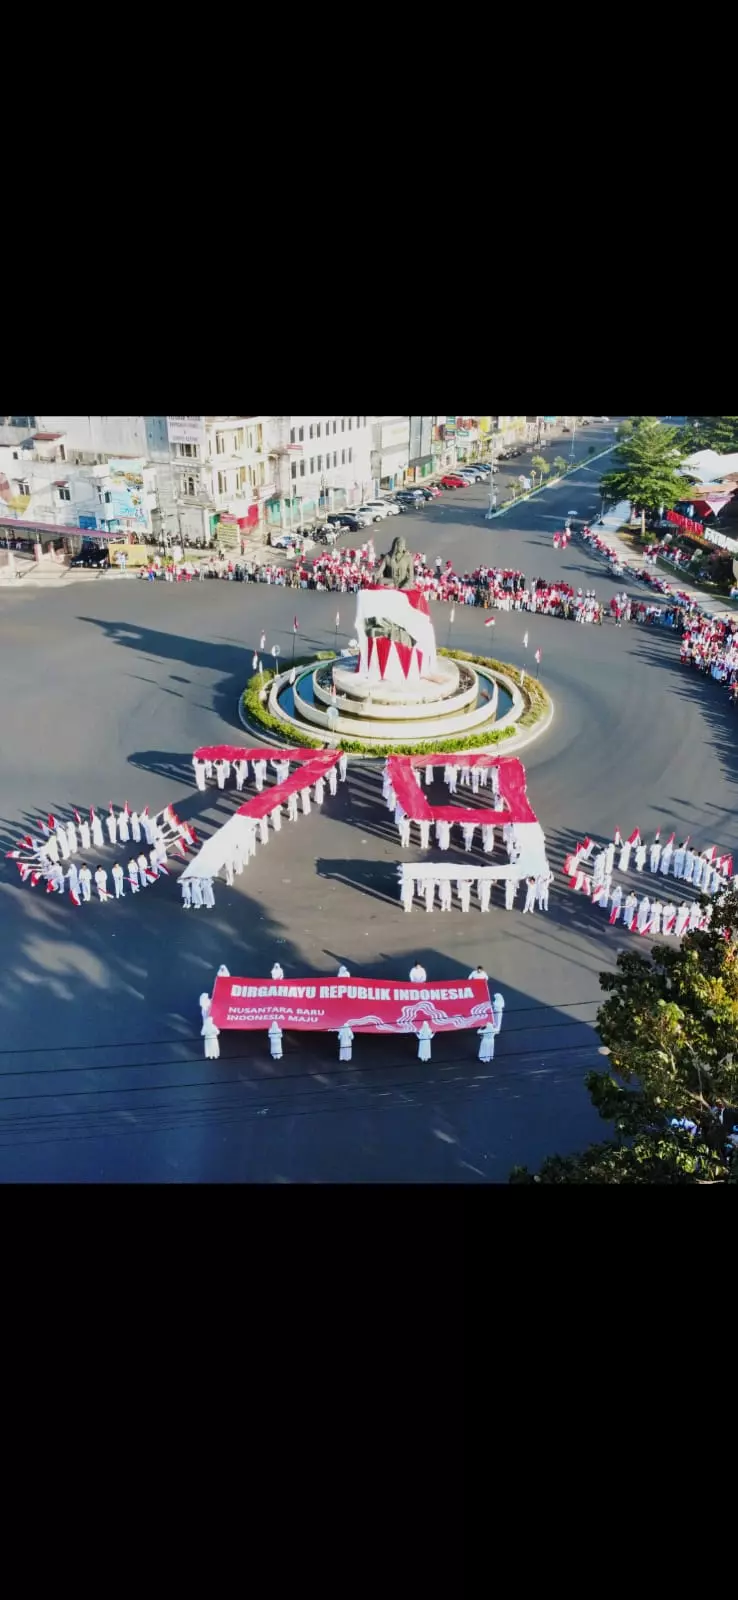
{"points": [[115, 683]]}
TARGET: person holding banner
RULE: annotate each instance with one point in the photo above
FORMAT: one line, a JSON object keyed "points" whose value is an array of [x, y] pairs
{"points": [[487, 1042], [275, 1041], [209, 1033], [345, 1041], [424, 1036]]}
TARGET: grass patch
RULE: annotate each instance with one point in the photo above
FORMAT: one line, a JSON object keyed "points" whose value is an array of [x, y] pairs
{"points": [[537, 703]]}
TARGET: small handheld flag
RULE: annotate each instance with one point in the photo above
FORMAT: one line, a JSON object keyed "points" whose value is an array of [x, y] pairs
{"points": [[295, 625], [538, 657], [490, 622]]}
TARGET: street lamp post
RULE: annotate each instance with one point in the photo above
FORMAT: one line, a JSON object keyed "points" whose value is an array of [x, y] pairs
{"points": [[573, 435]]}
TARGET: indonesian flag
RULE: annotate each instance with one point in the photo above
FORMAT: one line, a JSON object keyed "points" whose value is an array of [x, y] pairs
{"points": [[52, 823], [570, 863], [618, 839], [538, 657], [670, 841], [105, 894], [145, 811], [581, 883], [597, 893], [12, 855], [92, 813], [657, 836], [686, 841], [44, 828], [490, 622], [635, 837], [126, 810], [27, 842], [74, 897], [181, 847], [161, 868], [77, 817], [150, 876], [586, 848], [34, 879], [23, 870], [709, 854], [295, 625], [50, 886]]}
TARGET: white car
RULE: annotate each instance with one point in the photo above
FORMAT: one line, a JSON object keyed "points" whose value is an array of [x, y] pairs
{"points": [[383, 507], [376, 509], [471, 474]]}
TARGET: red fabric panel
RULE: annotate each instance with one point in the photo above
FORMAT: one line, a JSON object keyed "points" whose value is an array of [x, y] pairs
{"points": [[405, 653], [316, 766], [368, 1006], [415, 805], [383, 650], [235, 752]]}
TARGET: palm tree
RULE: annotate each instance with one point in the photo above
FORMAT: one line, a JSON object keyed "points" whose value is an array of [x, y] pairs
{"points": [[560, 465], [541, 466]]}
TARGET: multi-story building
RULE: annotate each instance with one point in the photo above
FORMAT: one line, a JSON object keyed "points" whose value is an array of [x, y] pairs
{"points": [[390, 452], [322, 464]]}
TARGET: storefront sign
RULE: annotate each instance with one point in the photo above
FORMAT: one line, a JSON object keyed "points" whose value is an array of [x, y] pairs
{"points": [[319, 1005], [186, 430]]}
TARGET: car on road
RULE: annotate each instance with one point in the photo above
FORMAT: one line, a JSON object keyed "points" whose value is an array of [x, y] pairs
{"points": [[97, 557], [410, 497], [471, 474], [363, 516], [282, 541], [384, 508], [453, 481], [375, 511], [344, 521], [431, 491]]}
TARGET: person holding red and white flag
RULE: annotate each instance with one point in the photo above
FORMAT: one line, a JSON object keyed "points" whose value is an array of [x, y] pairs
{"points": [[101, 883], [111, 823], [96, 826]]}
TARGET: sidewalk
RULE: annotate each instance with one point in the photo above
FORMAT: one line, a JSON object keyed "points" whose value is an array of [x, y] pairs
{"points": [[716, 605]]}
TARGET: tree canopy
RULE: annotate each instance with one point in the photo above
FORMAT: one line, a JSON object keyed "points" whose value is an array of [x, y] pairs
{"points": [[645, 468], [709, 433], [670, 1030]]}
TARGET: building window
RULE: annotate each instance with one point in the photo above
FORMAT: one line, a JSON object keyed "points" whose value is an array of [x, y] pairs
{"points": [[311, 431], [301, 435], [222, 483], [220, 444], [293, 470], [351, 456], [312, 465], [343, 424], [364, 421], [292, 436], [350, 422], [343, 458], [335, 425], [64, 494], [335, 458], [302, 469], [317, 429], [320, 463], [191, 486], [23, 487], [107, 497], [358, 422]]}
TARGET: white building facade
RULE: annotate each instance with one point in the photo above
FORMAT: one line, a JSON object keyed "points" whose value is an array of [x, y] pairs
{"points": [[322, 464]]}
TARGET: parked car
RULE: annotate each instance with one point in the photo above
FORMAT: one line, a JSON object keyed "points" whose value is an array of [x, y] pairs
{"points": [[431, 492], [410, 497], [97, 557], [364, 517], [282, 540], [471, 474], [385, 508], [327, 533], [453, 481]]}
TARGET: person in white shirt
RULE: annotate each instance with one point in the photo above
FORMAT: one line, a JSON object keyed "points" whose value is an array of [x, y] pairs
{"points": [[111, 823], [208, 897], [655, 853], [424, 1035], [511, 889], [197, 900], [445, 894], [210, 1034], [543, 883], [275, 1041], [118, 881], [277, 972], [345, 1041], [199, 767], [418, 974], [484, 890], [486, 1042], [84, 833], [101, 883], [498, 1006], [85, 881], [479, 972], [530, 895], [97, 833], [185, 885]]}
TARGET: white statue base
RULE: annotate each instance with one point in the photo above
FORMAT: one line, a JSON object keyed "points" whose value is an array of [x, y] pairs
{"points": [[388, 661]]}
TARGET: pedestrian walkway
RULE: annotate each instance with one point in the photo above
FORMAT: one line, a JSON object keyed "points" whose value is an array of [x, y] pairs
{"points": [[608, 529]]}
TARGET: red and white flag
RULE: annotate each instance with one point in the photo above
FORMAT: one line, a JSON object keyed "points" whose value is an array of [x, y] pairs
{"points": [[77, 817], [635, 837], [538, 656], [126, 809], [34, 879], [44, 826], [618, 839], [74, 897], [295, 625], [490, 622], [52, 823], [597, 893], [657, 836], [670, 841]]}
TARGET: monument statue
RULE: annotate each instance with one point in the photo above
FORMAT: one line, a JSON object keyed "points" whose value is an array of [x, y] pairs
{"points": [[395, 570]]}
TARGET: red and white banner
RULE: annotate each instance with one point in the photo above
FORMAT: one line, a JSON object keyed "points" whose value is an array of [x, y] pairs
{"points": [[323, 1005]]}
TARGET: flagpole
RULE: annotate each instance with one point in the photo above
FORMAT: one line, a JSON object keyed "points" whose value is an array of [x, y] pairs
{"points": [[294, 636], [338, 618], [451, 615]]}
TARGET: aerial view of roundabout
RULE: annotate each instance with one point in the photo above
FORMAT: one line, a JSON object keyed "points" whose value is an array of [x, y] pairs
{"points": [[417, 834]]}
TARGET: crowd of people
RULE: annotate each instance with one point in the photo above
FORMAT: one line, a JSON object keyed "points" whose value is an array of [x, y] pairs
{"points": [[705, 870], [45, 859]]}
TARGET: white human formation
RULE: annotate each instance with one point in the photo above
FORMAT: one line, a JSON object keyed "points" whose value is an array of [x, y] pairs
{"points": [[657, 915], [53, 858], [232, 846], [451, 884]]}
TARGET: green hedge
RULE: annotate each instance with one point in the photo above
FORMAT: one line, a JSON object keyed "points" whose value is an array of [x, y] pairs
{"points": [[533, 692]]}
